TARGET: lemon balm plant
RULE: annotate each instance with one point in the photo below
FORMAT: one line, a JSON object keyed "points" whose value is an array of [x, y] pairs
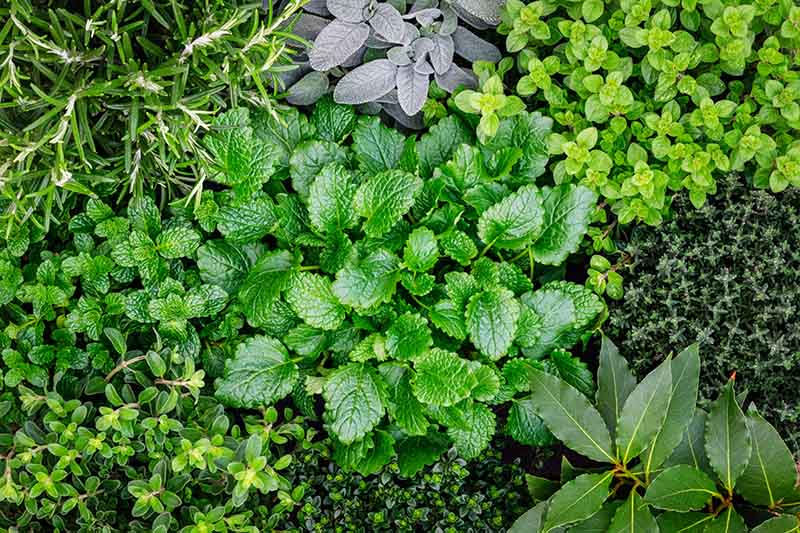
{"points": [[662, 463]]}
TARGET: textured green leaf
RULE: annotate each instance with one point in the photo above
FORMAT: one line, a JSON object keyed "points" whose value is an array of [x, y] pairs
{"points": [[406, 410], [633, 515], [312, 298], [331, 198], [458, 245], [615, 382], [492, 321], [247, 221], [309, 159], [577, 500], [567, 213], [333, 121], [377, 147], [378, 456], [728, 443], [644, 412], [353, 401], [728, 521], [442, 378], [437, 146], [177, 242], [771, 474], [223, 264], [415, 453], [408, 336], [573, 371], [368, 282], [263, 285], [384, 198], [566, 309], [779, 524], [421, 251], [446, 316], [284, 132], [570, 416], [471, 440], [681, 488], [526, 132], [487, 383], [259, 374], [515, 221], [525, 426], [685, 381]]}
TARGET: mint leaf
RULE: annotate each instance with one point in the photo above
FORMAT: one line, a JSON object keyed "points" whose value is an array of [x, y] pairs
{"points": [[567, 214], [177, 242], [377, 147], [515, 221], [333, 121], [408, 336], [309, 159], [353, 401], [330, 202], [222, 263], [312, 298], [384, 198], [492, 321], [370, 281], [421, 251], [259, 374], [442, 378], [263, 285], [415, 453], [479, 429], [438, 145], [248, 220]]}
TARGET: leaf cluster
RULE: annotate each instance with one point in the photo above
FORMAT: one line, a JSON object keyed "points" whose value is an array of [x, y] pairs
{"points": [[650, 98], [666, 465]]}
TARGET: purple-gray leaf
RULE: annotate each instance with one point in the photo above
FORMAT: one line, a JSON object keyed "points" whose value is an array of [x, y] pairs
{"points": [[419, 5], [413, 122], [337, 42], [317, 7], [422, 46], [423, 67], [366, 83], [449, 21], [356, 59], [399, 56], [412, 89], [309, 26], [473, 48], [487, 11], [441, 55], [456, 76], [430, 12], [388, 98], [388, 23], [348, 10], [411, 33], [309, 89]]}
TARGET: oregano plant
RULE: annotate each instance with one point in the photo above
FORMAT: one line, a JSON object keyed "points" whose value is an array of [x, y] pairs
{"points": [[657, 462]]}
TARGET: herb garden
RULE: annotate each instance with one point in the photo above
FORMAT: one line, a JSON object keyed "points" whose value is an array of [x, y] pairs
{"points": [[457, 266]]}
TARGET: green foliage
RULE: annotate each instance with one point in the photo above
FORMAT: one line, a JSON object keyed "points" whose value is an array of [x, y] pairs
{"points": [[100, 98], [650, 98], [667, 469], [725, 276]]}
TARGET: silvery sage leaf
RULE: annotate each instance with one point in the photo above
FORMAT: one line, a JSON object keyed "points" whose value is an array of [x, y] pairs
{"points": [[317, 7], [488, 11], [410, 34], [430, 12], [473, 48], [366, 83], [449, 21], [308, 89], [399, 56], [412, 89], [348, 10], [388, 23], [441, 54], [308, 26], [455, 77], [422, 46], [336, 43], [423, 67]]}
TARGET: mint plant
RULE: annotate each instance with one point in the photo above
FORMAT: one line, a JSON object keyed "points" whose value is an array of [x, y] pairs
{"points": [[663, 463]]}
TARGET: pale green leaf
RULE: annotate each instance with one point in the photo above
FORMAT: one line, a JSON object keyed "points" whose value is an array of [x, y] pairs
{"points": [[330, 199], [492, 321], [384, 198], [479, 429], [442, 378], [515, 221], [368, 282]]}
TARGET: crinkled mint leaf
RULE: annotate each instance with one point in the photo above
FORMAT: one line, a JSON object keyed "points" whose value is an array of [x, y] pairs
{"points": [[408, 336], [263, 285], [330, 200], [567, 214], [283, 129], [492, 321], [247, 220], [415, 453], [515, 221], [222, 263], [421, 251], [384, 198], [309, 159], [446, 316], [177, 242], [442, 378], [353, 401], [376, 146], [312, 298], [333, 121], [436, 147], [367, 282], [480, 428], [259, 374]]}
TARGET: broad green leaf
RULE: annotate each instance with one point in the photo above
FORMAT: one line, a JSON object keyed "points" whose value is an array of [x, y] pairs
{"points": [[247, 220], [577, 500], [263, 285], [566, 309], [408, 336], [311, 297], [644, 411], [572, 370], [436, 147], [284, 132], [728, 521], [415, 453], [487, 383], [377, 147], [259, 374], [446, 316], [406, 409], [684, 522], [530, 521], [525, 426], [539, 488], [479, 429], [333, 121], [223, 264], [353, 401], [421, 251], [681, 488], [527, 132], [177, 242], [771, 473], [691, 450], [378, 456], [513, 222], [384, 198], [728, 443], [615, 382], [567, 214], [685, 380], [442, 378], [779, 524], [330, 199], [633, 515], [492, 321], [308, 161], [600, 521], [368, 282], [570, 416]]}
